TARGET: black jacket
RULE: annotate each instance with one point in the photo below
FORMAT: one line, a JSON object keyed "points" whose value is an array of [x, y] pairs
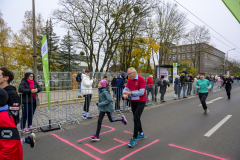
{"points": [[26, 96], [190, 79], [114, 80], [227, 81], [163, 86], [13, 102]]}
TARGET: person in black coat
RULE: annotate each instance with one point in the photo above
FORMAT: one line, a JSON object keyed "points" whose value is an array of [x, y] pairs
{"points": [[228, 85], [28, 89], [163, 86], [114, 80], [190, 83]]}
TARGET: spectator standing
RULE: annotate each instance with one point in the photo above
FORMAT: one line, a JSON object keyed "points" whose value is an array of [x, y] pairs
{"points": [[177, 87], [119, 90], [163, 86], [87, 93], [184, 81], [29, 89], [79, 80], [150, 87], [114, 80], [190, 84]]}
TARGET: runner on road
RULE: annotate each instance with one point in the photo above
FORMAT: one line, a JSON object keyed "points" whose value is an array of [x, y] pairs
{"points": [[105, 106], [228, 85], [136, 89], [203, 85]]}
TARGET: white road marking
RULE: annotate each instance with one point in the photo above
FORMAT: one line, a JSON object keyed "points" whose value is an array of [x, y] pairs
{"points": [[209, 133], [209, 102]]}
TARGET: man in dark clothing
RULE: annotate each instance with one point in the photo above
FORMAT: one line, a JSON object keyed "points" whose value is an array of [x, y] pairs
{"points": [[13, 102], [190, 83], [163, 86], [119, 90], [228, 85], [114, 80]]}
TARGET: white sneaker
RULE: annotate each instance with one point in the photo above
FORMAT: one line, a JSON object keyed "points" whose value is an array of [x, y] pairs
{"points": [[206, 111], [25, 131]]}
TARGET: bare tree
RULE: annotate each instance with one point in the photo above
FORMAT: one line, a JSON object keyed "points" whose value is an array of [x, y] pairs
{"points": [[171, 24], [199, 40]]}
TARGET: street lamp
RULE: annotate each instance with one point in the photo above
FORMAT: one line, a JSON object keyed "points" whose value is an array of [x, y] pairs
{"points": [[227, 58]]}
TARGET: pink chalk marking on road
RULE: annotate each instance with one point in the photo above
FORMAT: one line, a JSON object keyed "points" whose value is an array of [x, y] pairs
{"points": [[80, 149], [139, 149], [112, 129], [197, 152], [102, 152], [128, 132]]}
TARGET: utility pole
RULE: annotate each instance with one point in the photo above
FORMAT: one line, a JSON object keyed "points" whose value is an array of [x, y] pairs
{"points": [[34, 41]]}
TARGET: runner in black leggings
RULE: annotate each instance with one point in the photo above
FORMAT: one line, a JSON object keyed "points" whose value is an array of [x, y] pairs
{"points": [[228, 85]]}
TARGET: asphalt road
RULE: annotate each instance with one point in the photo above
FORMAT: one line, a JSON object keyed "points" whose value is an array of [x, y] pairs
{"points": [[174, 130]]}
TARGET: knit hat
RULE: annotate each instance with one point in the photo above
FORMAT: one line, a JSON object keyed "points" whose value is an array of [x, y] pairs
{"points": [[104, 83], [124, 74], [162, 76], [4, 97], [28, 74]]}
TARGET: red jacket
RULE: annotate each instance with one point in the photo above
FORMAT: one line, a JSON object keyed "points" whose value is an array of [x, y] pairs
{"points": [[150, 82], [10, 144]]}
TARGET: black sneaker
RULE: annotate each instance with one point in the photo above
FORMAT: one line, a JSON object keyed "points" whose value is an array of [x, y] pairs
{"points": [[88, 117], [185, 97], [31, 140]]}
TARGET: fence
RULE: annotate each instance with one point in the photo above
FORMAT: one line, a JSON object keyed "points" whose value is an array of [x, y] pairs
{"points": [[63, 80], [65, 107]]}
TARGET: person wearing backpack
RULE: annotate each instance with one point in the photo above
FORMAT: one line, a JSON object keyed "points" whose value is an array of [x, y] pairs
{"points": [[119, 90], [79, 80], [184, 81], [163, 86]]}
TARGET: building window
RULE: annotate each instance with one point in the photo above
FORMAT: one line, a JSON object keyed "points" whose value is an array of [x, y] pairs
{"points": [[183, 56], [179, 57], [169, 57], [183, 49], [193, 47], [188, 56], [179, 49], [162, 62], [174, 49], [174, 57], [193, 55], [205, 55], [188, 48]]}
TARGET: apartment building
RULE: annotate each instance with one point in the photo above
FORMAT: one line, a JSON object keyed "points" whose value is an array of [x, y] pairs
{"points": [[203, 56]]}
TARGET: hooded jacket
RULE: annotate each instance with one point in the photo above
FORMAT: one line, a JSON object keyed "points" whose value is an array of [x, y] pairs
{"points": [[26, 96], [114, 80], [13, 102], [10, 144], [105, 103], [120, 85]]}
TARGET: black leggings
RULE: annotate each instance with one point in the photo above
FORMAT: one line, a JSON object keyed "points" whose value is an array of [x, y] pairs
{"points": [[87, 102], [137, 109], [228, 90], [203, 97], [110, 117]]}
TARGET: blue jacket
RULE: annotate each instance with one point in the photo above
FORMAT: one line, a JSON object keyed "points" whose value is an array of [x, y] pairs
{"points": [[177, 85], [120, 85], [4, 108], [105, 103]]}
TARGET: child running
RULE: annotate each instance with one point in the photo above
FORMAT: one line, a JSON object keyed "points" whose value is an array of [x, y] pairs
{"points": [[203, 85], [105, 105]]}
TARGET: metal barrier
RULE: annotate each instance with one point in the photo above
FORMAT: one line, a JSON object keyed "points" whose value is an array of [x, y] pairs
{"points": [[66, 107]]}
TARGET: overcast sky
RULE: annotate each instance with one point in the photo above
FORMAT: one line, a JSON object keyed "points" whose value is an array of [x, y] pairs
{"points": [[212, 12]]}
